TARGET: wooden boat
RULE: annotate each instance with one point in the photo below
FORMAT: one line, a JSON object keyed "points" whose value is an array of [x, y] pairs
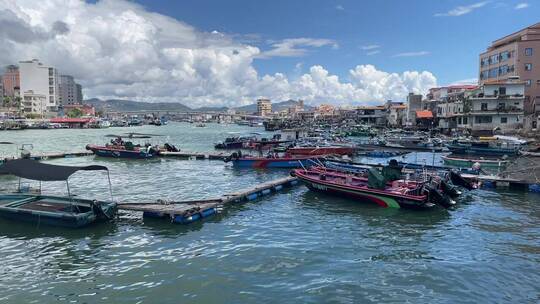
{"points": [[323, 150], [395, 194], [52, 210], [468, 162]]}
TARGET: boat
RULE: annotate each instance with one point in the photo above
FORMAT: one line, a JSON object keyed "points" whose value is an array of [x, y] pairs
{"points": [[286, 161], [118, 148], [468, 162], [322, 150], [65, 211], [200, 125], [484, 148], [376, 188], [233, 143]]}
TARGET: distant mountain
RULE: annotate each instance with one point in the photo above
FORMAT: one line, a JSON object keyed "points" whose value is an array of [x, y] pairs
{"points": [[276, 106], [130, 105]]}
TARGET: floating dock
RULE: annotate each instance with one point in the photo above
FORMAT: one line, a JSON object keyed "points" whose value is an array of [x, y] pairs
{"points": [[185, 212], [46, 156]]}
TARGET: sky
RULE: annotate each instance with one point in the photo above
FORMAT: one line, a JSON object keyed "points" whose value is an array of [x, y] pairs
{"points": [[229, 53]]}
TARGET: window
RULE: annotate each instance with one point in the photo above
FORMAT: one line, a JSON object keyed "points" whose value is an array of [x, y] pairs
{"points": [[465, 120], [505, 55], [483, 106], [493, 73], [527, 82], [501, 106], [494, 58], [502, 90], [528, 52], [482, 119], [503, 70], [504, 120], [528, 66]]}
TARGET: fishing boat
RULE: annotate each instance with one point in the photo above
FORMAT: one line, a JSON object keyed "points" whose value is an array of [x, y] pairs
{"points": [[65, 211], [375, 189], [484, 148], [233, 143], [118, 148], [322, 150], [468, 162], [271, 161]]}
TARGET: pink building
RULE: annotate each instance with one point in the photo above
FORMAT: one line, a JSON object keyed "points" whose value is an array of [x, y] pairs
{"points": [[517, 54], [11, 81]]}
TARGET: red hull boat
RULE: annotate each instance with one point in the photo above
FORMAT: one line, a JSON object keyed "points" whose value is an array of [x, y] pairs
{"points": [[321, 150]]}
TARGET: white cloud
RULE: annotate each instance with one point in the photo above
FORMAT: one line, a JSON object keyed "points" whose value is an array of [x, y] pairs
{"points": [[117, 49], [370, 47], [465, 81], [371, 53], [296, 47], [412, 54], [521, 5], [340, 7], [462, 10]]}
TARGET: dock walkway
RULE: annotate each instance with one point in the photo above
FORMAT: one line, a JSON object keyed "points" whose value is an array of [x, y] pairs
{"points": [[185, 212]]}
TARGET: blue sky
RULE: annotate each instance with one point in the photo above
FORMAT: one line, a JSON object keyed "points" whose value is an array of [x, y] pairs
{"points": [[230, 53], [447, 45]]}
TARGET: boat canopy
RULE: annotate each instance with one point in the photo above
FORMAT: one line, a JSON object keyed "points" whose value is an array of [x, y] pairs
{"points": [[34, 170]]}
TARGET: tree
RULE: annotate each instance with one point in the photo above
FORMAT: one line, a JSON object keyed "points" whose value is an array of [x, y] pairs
{"points": [[74, 113], [6, 101]]}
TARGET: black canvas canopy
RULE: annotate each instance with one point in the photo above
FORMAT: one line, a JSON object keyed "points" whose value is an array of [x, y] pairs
{"points": [[31, 169]]}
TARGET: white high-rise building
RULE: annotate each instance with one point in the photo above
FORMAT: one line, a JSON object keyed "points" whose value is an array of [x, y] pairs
{"points": [[38, 79]]}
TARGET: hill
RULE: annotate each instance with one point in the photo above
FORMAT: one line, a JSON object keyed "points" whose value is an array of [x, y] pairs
{"points": [[130, 105]]}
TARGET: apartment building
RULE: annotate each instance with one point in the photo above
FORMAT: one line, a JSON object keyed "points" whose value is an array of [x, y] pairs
{"points": [[67, 90], [264, 107], [517, 54], [496, 105], [11, 81], [38, 79]]}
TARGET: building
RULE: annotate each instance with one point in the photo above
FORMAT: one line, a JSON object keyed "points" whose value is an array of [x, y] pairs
{"points": [[264, 107], [67, 90], [33, 103], [517, 54], [371, 115], [414, 103], [449, 104], [38, 79], [395, 113], [497, 105], [78, 93], [11, 81]]}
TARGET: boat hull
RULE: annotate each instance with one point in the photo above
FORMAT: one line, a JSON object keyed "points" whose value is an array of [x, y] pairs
{"points": [[119, 153], [321, 150], [471, 150], [366, 195], [288, 163], [468, 163], [51, 210]]}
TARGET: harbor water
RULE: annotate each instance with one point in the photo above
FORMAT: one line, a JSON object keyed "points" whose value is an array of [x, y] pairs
{"points": [[293, 247]]}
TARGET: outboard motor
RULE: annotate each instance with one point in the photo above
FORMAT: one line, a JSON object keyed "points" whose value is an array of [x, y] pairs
{"points": [[450, 189], [458, 180], [435, 196]]}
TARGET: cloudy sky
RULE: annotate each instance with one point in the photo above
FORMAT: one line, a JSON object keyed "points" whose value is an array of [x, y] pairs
{"points": [[228, 53]]}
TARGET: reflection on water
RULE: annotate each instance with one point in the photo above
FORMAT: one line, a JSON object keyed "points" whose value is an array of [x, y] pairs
{"points": [[296, 246]]}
